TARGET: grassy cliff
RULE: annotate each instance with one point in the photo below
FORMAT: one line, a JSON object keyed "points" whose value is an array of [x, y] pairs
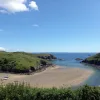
{"points": [[21, 62], [93, 59]]}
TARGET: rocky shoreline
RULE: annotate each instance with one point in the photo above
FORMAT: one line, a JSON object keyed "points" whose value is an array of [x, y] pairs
{"points": [[47, 57], [93, 65], [93, 60]]}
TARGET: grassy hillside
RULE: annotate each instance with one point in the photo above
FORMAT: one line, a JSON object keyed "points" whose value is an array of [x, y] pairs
{"points": [[93, 59], [21, 61], [22, 92]]}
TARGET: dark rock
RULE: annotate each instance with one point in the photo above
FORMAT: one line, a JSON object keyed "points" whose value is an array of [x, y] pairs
{"points": [[43, 62], [78, 59], [48, 57], [32, 68], [61, 59], [93, 60]]}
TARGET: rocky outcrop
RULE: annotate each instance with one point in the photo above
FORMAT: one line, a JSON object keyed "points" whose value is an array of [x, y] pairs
{"points": [[47, 57], [94, 60], [60, 59], [78, 59]]}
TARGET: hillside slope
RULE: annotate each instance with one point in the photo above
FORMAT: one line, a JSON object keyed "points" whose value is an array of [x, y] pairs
{"points": [[21, 62], [93, 60]]}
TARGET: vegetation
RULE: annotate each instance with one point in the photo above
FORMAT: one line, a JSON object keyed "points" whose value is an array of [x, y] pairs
{"points": [[21, 62], [93, 59], [17, 91]]}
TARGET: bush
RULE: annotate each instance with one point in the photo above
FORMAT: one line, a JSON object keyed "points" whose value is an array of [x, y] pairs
{"points": [[16, 91]]}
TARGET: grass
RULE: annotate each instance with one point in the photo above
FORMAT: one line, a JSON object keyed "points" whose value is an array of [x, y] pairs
{"points": [[95, 57], [95, 60], [20, 61]]}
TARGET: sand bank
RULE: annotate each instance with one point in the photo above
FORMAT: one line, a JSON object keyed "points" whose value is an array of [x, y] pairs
{"points": [[52, 77]]}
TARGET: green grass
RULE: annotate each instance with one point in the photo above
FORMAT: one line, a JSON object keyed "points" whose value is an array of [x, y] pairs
{"points": [[19, 61], [95, 57]]}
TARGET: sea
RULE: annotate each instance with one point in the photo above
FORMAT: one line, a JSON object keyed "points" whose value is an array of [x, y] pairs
{"points": [[69, 61]]}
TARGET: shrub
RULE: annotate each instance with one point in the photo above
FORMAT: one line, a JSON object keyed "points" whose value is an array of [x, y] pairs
{"points": [[16, 91]]}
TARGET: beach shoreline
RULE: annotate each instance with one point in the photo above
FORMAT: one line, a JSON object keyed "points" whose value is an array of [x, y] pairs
{"points": [[56, 76]]}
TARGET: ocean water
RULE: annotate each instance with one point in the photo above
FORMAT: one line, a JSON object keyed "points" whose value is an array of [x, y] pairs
{"points": [[69, 61]]}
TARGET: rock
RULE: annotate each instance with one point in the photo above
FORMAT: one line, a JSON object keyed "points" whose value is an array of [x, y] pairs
{"points": [[47, 57], [61, 59], [32, 68], [94, 60], [78, 59]]}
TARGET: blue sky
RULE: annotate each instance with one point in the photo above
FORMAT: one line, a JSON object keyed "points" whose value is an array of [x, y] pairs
{"points": [[50, 25]]}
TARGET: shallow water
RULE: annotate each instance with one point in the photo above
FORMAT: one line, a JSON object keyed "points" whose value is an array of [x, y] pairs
{"points": [[69, 61]]}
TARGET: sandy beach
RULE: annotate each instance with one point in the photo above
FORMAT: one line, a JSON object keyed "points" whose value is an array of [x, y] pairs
{"points": [[51, 77]]}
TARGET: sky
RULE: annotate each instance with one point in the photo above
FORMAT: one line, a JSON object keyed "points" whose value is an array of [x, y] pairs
{"points": [[50, 25]]}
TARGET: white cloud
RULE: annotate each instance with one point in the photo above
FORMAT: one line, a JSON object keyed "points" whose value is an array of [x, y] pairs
{"points": [[33, 5], [35, 25], [2, 49], [1, 30], [13, 6]]}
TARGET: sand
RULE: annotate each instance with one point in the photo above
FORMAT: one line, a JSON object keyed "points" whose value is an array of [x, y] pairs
{"points": [[52, 77]]}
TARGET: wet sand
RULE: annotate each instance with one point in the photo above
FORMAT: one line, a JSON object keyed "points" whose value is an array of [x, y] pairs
{"points": [[52, 77]]}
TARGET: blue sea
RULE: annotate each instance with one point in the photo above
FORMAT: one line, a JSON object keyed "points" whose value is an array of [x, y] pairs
{"points": [[69, 61]]}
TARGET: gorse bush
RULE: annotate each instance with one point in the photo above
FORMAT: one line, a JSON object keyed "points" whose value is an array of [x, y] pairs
{"points": [[23, 91]]}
